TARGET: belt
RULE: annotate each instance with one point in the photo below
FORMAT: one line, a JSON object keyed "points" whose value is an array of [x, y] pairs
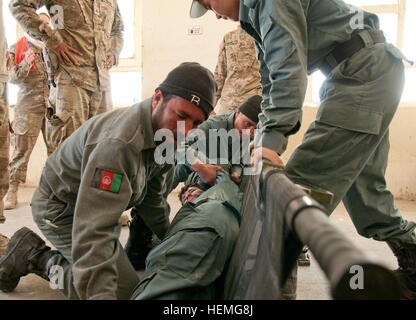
{"points": [[347, 49]]}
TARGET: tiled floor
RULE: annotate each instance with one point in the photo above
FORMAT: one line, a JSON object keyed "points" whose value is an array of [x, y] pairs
{"points": [[312, 284]]}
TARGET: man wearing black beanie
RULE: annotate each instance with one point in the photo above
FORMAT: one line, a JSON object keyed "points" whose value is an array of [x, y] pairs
{"points": [[106, 167], [246, 118]]}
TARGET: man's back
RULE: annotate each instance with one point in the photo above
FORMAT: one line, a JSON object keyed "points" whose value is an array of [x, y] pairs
{"points": [[314, 26], [237, 71]]}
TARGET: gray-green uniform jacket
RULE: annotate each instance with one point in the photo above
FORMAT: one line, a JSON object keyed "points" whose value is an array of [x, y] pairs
{"points": [[292, 37], [197, 247], [104, 168]]}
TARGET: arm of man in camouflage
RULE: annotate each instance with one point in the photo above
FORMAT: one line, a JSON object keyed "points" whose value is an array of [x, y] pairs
{"points": [[24, 11], [283, 64], [155, 208], [220, 71], [97, 219], [18, 73], [116, 37]]}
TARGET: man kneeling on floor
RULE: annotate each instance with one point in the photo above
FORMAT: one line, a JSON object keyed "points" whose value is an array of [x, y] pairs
{"points": [[106, 167], [191, 260]]}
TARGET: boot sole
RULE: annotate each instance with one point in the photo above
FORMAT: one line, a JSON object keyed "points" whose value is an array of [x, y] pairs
{"points": [[11, 284]]}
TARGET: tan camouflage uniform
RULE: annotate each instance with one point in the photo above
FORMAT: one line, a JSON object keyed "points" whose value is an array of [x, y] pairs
{"points": [[4, 118], [30, 110], [237, 71], [91, 27]]}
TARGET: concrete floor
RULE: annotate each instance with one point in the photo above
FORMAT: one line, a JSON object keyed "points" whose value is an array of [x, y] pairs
{"points": [[312, 284]]}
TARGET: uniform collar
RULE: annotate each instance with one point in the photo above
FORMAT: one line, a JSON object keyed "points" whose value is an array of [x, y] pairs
{"points": [[230, 121], [249, 3], [145, 111], [245, 6]]}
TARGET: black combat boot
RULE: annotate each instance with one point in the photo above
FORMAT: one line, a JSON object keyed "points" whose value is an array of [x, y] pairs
{"points": [[406, 257], [140, 242], [26, 253]]}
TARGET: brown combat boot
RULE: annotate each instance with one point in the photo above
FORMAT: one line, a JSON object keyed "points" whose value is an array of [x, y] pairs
{"points": [[406, 257], [26, 253], [3, 244], [10, 201]]}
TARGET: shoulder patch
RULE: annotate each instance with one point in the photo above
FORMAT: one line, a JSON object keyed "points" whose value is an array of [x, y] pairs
{"points": [[108, 180]]}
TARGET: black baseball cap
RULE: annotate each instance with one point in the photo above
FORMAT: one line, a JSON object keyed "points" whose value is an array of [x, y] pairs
{"points": [[197, 9]]}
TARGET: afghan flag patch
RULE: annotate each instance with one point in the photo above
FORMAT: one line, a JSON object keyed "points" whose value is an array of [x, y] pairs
{"points": [[110, 181]]}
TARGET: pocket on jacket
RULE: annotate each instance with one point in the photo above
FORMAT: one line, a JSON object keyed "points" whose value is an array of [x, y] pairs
{"points": [[58, 213]]}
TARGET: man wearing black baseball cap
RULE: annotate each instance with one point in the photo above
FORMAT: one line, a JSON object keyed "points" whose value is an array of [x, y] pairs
{"points": [[106, 167]]}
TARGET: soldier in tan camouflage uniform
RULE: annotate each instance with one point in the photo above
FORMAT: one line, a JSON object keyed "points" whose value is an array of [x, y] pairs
{"points": [[4, 128], [30, 111], [85, 43], [237, 71]]}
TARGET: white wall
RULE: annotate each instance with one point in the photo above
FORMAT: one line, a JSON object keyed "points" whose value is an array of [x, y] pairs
{"points": [[166, 44]]}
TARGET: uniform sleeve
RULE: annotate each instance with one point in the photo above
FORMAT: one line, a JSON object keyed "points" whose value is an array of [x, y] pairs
{"points": [[97, 219], [24, 11], [18, 73], [155, 208], [264, 76], [116, 37], [220, 71], [283, 67]]}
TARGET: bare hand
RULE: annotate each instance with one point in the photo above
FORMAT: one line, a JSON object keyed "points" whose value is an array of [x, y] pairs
{"points": [[109, 62], [207, 172], [212, 114], [65, 54], [267, 154], [236, 177], [30, 57]]}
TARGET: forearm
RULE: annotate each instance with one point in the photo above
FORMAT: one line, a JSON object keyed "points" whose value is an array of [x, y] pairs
{"points": [[24, 11], [116, 37]]}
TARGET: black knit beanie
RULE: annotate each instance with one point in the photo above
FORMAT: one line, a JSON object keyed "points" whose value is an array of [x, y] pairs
{"points": [[251, 108], [192, 82]]}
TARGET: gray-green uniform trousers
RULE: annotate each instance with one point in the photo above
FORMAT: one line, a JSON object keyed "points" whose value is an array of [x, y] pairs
{"points": [[188, 264], [106, 167], [346, 149]]}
